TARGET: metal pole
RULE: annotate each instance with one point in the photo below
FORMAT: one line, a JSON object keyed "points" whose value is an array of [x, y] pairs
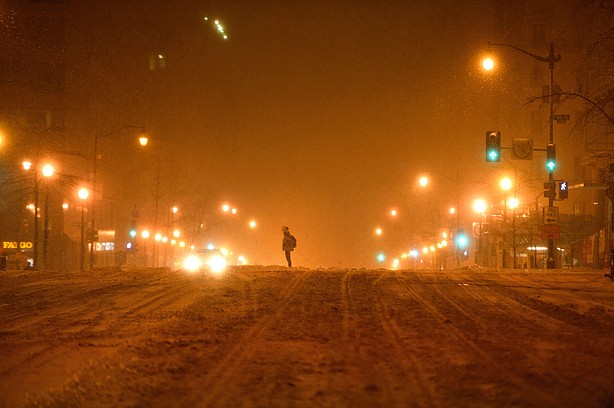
{"points": [[82, 237], [457, 219], [157, 203], [551, 262], [46, 227], [35, 246], [551, 59], [93, 206]]}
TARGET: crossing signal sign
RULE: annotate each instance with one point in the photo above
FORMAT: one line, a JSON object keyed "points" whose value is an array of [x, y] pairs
{"points": [[563, 190]]}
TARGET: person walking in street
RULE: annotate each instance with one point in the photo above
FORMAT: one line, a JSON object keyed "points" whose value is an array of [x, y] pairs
{"points": [[288, 244]]}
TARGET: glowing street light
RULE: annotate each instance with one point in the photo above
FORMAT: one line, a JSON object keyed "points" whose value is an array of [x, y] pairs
{"points": [[48, 170], [423, 181], [252, 224], [488, 64], [143, 139], [505, 184], [479, 206]]}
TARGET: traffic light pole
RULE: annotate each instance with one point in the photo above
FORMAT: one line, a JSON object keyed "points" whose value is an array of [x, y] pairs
{"points": [[551, 59]]}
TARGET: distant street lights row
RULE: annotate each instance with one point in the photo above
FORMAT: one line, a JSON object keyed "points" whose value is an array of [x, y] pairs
{"points": [[480, 206]]}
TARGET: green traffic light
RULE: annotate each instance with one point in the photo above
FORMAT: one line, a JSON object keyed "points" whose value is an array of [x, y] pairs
{"points": [[133, 233], [551, 165], [551, 157], [493, 146]]}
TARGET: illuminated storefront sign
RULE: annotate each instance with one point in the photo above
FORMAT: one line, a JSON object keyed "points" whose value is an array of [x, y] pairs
{"points": [[105, 246], [17, 245]]}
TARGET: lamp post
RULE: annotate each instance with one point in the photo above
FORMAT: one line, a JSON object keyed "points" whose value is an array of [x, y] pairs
{"points": [[514, 204], [83, 194], [47, 172], [551, 60], [479, 206], [506, 185], [142, 141], [173, 212], [145, 234], [424, 181]]}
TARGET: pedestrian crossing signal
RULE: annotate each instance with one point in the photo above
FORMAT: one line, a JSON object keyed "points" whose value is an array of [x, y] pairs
{"points": [[563, 190]]}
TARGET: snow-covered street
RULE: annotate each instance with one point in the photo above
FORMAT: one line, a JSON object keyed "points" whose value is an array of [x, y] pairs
{"points": [[277, 337]]}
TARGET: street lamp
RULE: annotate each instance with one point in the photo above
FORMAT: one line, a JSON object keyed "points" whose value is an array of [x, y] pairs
{"points": [[83, 195], [513, 204], [479, 206], [143, 140], [424, 181], [145, 234], [551, 60], [47, 172], [506, 185]]}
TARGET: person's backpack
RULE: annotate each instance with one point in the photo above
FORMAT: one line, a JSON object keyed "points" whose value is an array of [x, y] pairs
{"points": [[293, 241]]}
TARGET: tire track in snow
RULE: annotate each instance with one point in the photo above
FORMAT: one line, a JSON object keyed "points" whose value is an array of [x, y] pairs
{"points": [[538, 394], [423, 392], [214, 383]]}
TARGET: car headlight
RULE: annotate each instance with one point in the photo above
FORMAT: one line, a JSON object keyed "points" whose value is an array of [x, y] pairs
{"points": [[192, 263], [217, 264]]}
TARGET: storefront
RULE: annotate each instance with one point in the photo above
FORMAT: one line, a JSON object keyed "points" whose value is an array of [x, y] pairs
{"points": [[16, 255]]}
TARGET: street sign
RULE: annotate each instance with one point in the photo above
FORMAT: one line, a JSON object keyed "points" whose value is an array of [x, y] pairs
{"points": [[551, 231], [522, 149], [551, 215], [561, 118]]}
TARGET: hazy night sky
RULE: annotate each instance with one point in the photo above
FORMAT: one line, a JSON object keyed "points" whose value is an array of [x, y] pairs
{"points": [[318, 115]]}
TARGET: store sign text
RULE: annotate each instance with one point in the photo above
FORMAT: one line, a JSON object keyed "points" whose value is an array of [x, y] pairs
{"points": [[17, 245]]}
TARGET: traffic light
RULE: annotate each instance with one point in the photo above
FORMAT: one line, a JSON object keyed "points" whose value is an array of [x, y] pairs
{"points": [[493, 146], [461, 240], [132, 231], [551, 157], [550, 190], [563, 190]]}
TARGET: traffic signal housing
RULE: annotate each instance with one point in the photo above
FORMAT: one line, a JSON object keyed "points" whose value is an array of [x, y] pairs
{"points": [[493, 146], [550, 190], [551, 157], [132, 230]]}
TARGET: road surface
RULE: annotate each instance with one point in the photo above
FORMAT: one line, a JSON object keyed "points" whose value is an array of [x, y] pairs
{"points": [[279, 337]]}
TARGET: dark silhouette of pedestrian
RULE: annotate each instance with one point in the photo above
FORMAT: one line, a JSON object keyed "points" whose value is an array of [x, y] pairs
{"points": [[288, 244]]}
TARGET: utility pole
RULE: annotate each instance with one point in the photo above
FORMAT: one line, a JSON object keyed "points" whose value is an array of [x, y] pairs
{"points": [[551, 59]]}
